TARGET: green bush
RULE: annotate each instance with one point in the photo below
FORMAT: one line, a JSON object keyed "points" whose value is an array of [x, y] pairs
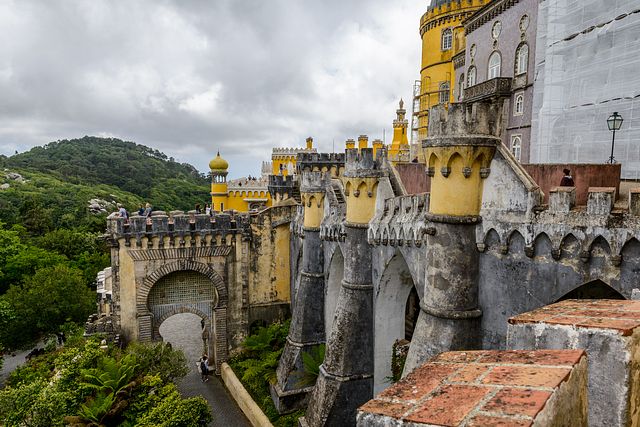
{"points": [[255, 366], [82, 382]]}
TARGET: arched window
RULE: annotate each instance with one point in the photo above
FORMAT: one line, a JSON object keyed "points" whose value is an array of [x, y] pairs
{"points": [[518, 107], [444, 93], [471, 76], [447, 39], [522, 59], [461, 88], [495, 64], [516, 146]]}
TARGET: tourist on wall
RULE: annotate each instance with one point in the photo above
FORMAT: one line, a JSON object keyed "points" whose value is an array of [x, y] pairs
{"points": [[567, 179]]}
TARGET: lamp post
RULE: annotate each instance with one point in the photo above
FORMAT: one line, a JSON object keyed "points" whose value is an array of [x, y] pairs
{"points": [[615, 123]]}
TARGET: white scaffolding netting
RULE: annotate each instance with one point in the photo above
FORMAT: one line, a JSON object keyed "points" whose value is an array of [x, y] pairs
{"points": [[587, 67]]}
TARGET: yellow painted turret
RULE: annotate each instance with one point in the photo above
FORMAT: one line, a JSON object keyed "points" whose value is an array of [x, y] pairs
{"points": [[219, 193], [442, 38]]}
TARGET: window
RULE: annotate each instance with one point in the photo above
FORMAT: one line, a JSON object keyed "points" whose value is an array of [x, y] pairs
{"points": [[516, 146], [522, 59], [461, 88], [221, 207], [447, 38], [495, 63], [518, 105], [444, 93], [471, 76]]}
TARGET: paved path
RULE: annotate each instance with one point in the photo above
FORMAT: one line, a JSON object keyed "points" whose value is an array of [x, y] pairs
{"points": [[183, 332]]}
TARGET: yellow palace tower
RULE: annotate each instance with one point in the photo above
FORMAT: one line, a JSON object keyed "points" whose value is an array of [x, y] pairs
{"points": [[399, 149], [443, 37]]}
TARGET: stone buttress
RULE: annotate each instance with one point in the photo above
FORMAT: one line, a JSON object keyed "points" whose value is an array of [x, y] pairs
{"points": [[307, 331], [458, 152], [346, 376]]}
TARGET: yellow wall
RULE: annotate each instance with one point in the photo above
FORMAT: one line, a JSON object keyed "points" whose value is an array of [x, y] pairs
{"points": [[457, 194], [313, 209], [284, 161], [437, 65], [270, 274], [128, 294], [235, 200], [361, 199]]}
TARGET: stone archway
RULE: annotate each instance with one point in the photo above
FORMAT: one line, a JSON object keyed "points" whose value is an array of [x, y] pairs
{"points": [[333, 284], [185, 287], [396, 304], [596, 289]]}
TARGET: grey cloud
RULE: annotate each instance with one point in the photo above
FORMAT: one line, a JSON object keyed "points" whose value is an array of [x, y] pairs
{"points": [[191, 77]]}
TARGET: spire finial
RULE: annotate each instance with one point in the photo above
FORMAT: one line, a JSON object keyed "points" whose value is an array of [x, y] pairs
{"points": [[401, 103]]}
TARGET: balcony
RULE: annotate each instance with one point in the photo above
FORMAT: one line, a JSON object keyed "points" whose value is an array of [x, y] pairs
{"points": [[494, 88]]}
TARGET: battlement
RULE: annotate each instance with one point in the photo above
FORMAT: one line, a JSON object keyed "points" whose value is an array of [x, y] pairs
{"points": [[314, 182], [462, 120], [318, 161], [440, 10], [292, 152], [363, 163], [176, 223]]}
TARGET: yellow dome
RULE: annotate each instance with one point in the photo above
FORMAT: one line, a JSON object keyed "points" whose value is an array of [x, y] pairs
{"points": [[218, 163]]}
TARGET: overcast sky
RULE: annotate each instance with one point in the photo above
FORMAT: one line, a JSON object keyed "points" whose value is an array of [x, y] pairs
{"points": [[192, 77]]}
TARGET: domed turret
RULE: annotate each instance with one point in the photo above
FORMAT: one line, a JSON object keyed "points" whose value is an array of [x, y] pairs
{"points": [[218, 164]]}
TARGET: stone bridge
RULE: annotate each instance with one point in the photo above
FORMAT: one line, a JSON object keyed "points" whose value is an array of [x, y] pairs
{"points": [[443, 270]]}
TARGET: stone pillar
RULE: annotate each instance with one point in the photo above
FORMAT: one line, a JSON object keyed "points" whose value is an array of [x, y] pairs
{"points": [[458, 158], [307, 330], [346, 376]]}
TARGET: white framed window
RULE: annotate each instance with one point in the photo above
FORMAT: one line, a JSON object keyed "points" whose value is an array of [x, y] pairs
{"points": [[522, 59], [495, 65], [461, 88], [518, 104], [444, 93], [447, 39], [471, 76], [516, 146]]}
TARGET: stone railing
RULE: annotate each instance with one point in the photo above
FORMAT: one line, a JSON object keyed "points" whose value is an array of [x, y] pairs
{"points": [[403, 221], [498, 87], [176, 223]]}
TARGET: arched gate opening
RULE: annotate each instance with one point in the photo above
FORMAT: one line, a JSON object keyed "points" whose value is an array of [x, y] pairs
{"points": [[396, 311]]}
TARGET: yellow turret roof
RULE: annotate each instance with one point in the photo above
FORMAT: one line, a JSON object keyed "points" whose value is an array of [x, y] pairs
{"points": [[218, 163]]}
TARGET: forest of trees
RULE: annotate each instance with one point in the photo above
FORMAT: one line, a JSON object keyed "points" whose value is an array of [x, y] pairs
{"points": [[51, 249], [50, 243]]}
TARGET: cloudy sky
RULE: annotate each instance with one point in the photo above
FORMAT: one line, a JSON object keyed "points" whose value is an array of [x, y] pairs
{"points": [[192, 77]]}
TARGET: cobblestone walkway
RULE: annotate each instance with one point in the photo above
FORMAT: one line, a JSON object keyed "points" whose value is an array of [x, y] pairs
{"points": [[183, 332]]}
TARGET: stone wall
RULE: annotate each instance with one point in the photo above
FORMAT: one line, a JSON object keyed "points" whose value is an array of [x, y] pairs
{"points": [[548, 176]]}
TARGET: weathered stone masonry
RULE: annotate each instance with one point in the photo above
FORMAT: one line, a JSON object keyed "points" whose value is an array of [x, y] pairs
{"points": [[212, 267]]}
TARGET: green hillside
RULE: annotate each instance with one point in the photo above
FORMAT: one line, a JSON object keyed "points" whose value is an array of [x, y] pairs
{"points": [[63, 176]]}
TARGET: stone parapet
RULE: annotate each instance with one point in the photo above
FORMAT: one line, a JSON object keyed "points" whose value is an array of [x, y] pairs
{"points": [[282, 187], [178, 224], [362, 163], [609, 331], [333, 162], [486, 388], [562, 199], [314, 182], [600, 200], [403, 221]]}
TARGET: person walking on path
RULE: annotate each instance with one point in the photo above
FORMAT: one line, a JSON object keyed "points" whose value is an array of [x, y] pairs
{"points": [[567, 179], [204, 368]]}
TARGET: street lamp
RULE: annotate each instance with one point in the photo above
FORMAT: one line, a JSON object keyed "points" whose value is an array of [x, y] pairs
{"points": [[615, 123]]}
